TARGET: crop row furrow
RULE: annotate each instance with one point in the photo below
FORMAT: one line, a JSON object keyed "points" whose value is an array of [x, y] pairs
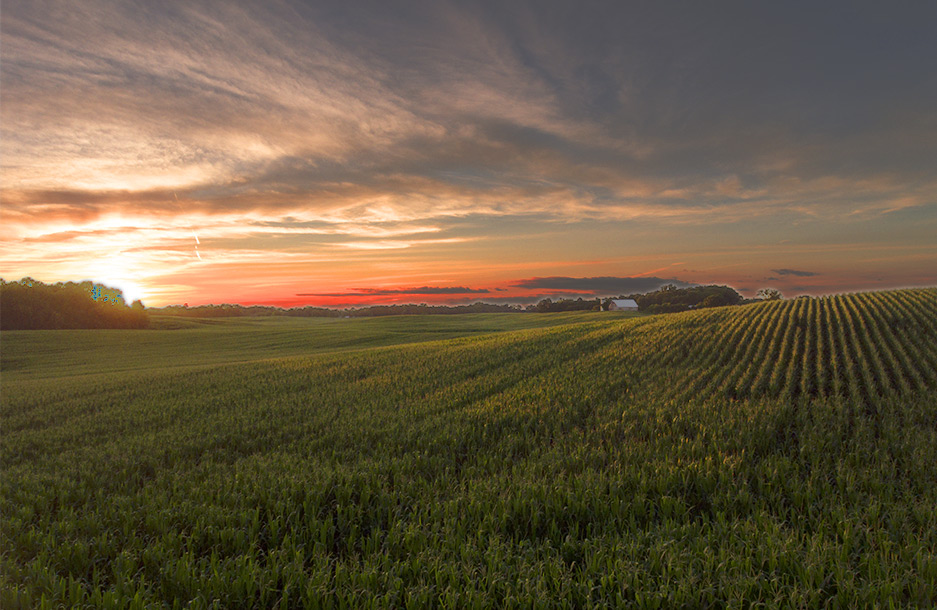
{"points": [[809, 380], [725, 345], [766, 379], [728, 382], [790, 386], [902, 377], [917, 331], [825, 365], [926, 304], [845, 366], [767, 329], [872, 361], [861, 381], [722, 380]]}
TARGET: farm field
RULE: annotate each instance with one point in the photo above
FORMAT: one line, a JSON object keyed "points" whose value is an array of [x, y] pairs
{"points": [[199, 342], [782, 453]]}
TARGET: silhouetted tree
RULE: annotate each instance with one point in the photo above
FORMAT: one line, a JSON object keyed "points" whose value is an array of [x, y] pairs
{"points": [[30, 305], [228, 310], [670, 299]]}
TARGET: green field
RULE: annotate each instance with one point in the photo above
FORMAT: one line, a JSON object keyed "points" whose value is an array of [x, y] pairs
{"points": [[782, 453], [213, 341]]}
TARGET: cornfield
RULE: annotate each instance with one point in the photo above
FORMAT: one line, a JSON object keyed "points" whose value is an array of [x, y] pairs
{"points": [[782, 453]]}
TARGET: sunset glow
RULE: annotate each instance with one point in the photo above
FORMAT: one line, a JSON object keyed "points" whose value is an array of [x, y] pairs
{"points": [[292, 154]]}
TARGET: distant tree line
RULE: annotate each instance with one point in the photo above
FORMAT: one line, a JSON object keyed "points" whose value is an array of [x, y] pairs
{"points": [[32, 305], [549, 305], [666, 300], [670, 299], [228, 310], [396, 310]]}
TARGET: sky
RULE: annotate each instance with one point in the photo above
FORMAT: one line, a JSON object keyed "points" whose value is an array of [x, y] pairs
{"points": [[344, 154]]}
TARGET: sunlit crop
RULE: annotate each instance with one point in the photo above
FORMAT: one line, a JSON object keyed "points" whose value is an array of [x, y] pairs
{"points": [[782, 453]]}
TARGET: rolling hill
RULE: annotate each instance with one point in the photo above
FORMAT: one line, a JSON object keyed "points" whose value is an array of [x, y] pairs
{"points": [[782, 453]]}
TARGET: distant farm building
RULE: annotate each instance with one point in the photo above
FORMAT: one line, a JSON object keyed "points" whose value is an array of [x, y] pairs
{"points": [[623, 305]]}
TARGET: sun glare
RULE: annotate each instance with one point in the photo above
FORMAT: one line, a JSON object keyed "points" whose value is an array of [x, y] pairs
{"points": [[131, 289]]}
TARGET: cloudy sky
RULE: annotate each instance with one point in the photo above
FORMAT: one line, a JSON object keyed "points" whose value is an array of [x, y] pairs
{"points": [[347, 153]]}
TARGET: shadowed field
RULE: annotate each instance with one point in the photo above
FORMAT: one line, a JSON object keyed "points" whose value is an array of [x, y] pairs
{"points": [[781, 453], [197, 342]]}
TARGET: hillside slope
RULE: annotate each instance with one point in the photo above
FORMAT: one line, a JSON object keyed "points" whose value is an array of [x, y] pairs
{"points": [[861, 346], [783, 453], [184, 343]]}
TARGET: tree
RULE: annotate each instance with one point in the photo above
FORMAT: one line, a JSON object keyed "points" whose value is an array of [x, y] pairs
{"points": [[768, 294], [713, 300], [30, 304]]}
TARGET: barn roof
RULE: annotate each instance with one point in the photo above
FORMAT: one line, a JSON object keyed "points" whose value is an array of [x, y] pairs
{"points": [[624, 302]]}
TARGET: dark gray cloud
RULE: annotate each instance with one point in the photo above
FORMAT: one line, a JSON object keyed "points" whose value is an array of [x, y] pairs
{"points": [[794, 272], [365, 292], [384, 97], [599, 285]]}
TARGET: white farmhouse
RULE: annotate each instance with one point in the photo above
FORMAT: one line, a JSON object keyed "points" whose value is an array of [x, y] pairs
{"points": [[623, 305]]}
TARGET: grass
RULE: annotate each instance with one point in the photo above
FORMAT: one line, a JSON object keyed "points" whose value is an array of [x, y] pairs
{"points": [[780, 454], [178, 343]]}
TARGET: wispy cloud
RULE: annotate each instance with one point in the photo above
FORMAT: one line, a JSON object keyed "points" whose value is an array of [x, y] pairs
{"points": [[794, 272], [422, 290]]}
